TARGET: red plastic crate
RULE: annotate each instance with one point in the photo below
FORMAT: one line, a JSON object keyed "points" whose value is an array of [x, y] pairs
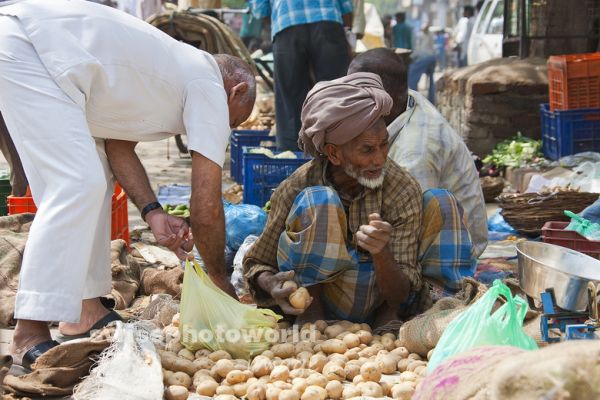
{"points": [[119, 226], [574, 81], [554, 232]]}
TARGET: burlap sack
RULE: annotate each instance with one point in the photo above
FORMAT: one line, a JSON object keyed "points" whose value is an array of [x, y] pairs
{"points": [[568, 370], [421, 334], [56, 372], [125, 275], [13, 235]]}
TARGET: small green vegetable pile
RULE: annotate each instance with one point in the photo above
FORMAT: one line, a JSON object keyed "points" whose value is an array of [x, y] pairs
{"points": [[181, 210], [517, 151]]}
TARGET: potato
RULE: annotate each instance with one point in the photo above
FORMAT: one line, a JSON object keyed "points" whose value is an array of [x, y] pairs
{"points": [[314, 393], [351, 340], [240, 389], [272, 393], [413, 364], [365, 337], [317, 347], [180, 379], [334, 390], [403, 364], [283, 350], [334, 346], [402, 391], [280, 373], [207, 388], [303, 346], [386, 388], [351, 370], [317, 362], [292, 363], [289, 395], [242, 364], [398, 343], [175, 392], [225, 397], [317, 379], [388, 343], [268, 353], [421, 370], [388, 363], [223, 367], [358, 379], [289, 284], [224, 390], [235, 376], [174, 345], [334, 330], [321, 325], [352, 354], [282, 385], [304, 356], [284, 324], [261, 366], [200, 377], [351, 391], [219, 355], [408, 376], [337, 358], [203, 363], [299, 385], [429, 354], [415, 356], [256, 391], [371, 389], [171, 332], [334, 372], [370, 371], [301, 373], [185, 353], [400, 352], [300, 298], [175, 320], [202, 353]]}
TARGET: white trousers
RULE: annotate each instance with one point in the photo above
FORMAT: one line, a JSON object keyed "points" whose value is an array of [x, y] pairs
{"points": [[67, 256]]}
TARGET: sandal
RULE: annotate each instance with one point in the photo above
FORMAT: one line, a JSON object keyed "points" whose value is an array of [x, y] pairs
{"points": [[35, 352], [101, 323]]}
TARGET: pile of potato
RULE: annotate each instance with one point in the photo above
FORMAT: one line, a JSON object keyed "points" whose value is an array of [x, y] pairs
{"points": [[345, 361]]}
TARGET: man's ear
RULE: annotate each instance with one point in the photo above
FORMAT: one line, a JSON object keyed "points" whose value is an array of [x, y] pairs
{"points": [[237, 91], [333, 153]]}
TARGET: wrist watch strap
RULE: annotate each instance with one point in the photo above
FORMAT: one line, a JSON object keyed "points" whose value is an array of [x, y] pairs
{"points": [[149, 207]]}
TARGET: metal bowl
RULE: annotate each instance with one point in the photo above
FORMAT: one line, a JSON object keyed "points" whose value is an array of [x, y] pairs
{"points": [[543, 266]]}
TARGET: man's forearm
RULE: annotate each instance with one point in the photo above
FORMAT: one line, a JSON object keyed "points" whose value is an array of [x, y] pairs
{"points": [[129, 172], [207, 217], [393, 284]]}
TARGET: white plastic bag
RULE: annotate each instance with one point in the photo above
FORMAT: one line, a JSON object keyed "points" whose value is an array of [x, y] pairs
{"points": [[237, 277]]}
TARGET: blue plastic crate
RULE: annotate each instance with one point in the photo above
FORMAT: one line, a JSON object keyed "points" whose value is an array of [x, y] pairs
{"points": [[239, 139], [262, 174], [570, 131]]}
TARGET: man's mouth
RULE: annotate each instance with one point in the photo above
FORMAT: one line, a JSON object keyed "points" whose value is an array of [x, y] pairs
{"points": [[372, 174]]}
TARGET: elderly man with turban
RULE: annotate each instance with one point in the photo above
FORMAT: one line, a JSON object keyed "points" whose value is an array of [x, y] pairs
{"points": [[347, 225]]}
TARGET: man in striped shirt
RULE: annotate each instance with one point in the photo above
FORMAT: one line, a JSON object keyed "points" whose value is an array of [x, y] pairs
{"points": [[309, 45]]}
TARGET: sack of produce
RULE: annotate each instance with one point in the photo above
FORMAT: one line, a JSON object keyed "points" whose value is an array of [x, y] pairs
{"points": [[211, 319], [478, 326], [241, 221]]}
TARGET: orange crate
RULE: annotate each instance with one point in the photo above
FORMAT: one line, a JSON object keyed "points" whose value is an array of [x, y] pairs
{"points": [[119, 226], [574, 81]]}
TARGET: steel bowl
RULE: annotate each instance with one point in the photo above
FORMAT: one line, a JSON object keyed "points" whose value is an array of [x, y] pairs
{"points": [[543, 266]]}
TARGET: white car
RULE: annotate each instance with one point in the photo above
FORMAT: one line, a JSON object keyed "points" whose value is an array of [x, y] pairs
{"points": [[486, 38]]}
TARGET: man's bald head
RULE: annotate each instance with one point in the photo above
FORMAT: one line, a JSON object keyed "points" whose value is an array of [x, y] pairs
{"points": [[240, 86], [393, 72]]}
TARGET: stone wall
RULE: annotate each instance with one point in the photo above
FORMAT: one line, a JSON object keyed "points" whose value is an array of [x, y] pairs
{"points": [[489, 102]]}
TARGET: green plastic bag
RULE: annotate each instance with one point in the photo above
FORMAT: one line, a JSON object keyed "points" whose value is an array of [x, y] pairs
{"points": [[586, 228], [211, 319], [476, 327]]}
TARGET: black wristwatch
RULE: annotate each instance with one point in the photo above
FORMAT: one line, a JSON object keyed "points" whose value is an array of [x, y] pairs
{"points": [[150, 207]]}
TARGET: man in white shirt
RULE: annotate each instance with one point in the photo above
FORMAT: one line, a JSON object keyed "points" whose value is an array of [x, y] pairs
{"points": [[462, 34], [423, 142], [80, 85]]}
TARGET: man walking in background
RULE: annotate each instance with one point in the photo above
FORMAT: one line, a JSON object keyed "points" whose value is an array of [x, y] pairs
{"points": [[309, 45]]}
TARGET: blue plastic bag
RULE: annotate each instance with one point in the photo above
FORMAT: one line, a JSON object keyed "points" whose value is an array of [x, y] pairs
{"points": [[242, 220], [477, 326], [496, 223]]}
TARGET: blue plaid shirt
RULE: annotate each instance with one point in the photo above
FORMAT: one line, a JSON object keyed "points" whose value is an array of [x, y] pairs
{"points": [[286, 13]]}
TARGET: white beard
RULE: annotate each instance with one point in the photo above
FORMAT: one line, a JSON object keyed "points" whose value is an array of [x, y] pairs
{"points": [[366, 182]]}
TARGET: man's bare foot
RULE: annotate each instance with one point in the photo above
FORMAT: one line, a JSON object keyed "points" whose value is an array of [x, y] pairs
{"points": [[28, 334], [91, 312]]}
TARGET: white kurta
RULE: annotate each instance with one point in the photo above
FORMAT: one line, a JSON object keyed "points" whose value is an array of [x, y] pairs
{"points": [[434, 154], [71, 74]]}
